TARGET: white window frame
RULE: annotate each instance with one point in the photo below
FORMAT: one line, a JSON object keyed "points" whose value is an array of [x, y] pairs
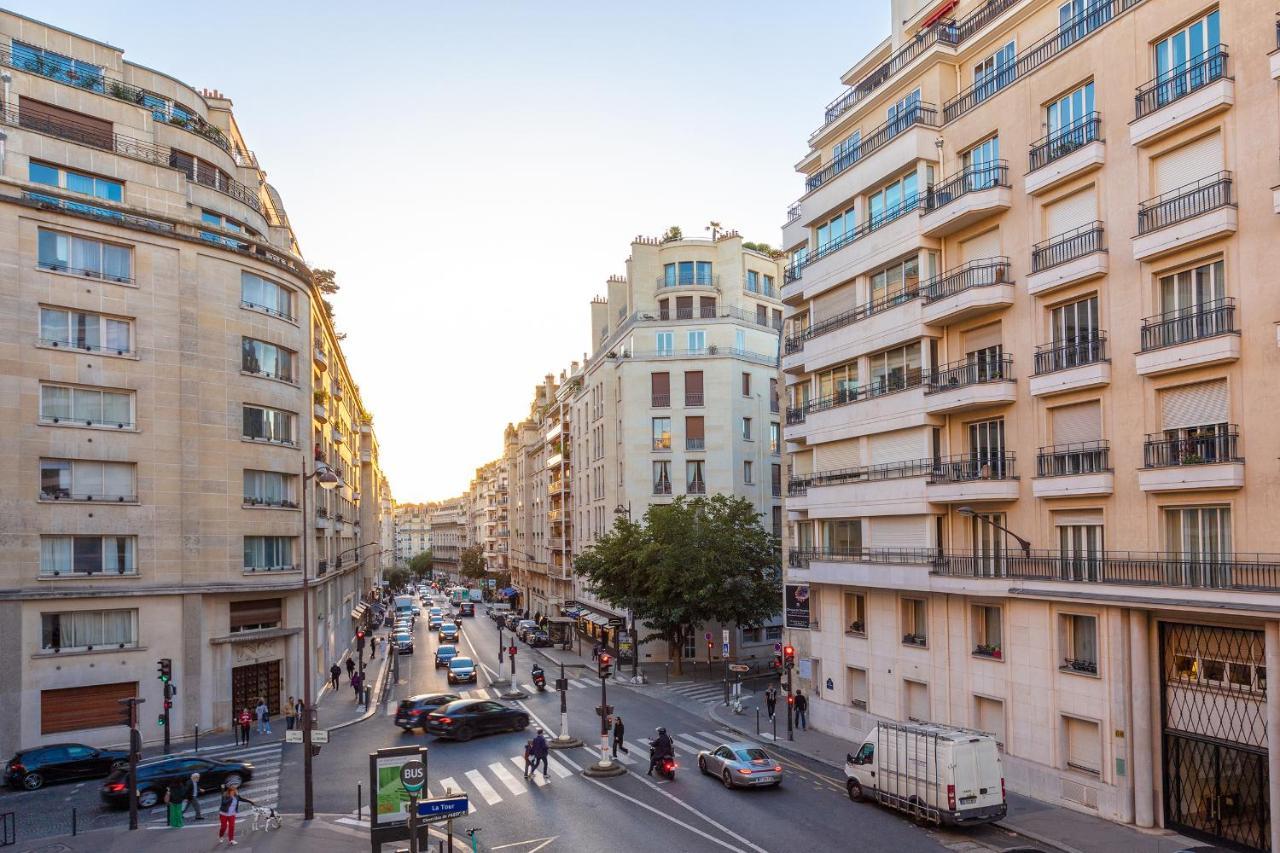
{"points": [[76, 394], [69, 338], [53, 564], [87, 616]]}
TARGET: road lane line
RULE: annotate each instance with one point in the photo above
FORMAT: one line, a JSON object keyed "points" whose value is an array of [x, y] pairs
{"points": [[682, 804], [482, 785], [560, 756], [666, 816], [505, 777]]}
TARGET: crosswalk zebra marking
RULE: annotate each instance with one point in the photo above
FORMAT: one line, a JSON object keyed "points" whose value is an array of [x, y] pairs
{"points": [[449, 786], [700, 742], [623, 757], [536, 778], [505, 777], [482, 785]]}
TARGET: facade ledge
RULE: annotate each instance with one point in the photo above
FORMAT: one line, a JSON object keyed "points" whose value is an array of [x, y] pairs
{"points": [[877, 575], [898, 325], [965, 210], [1218, 350], [973, 491], [1172, 238], [71, 653], [1178, 478], [905, 496], [1074, 485], [1072, 379], [1209, 99], [885, 413], [254, 636], [1080, 269], [976, 396], [891, 240], [969, 302], [1084, 159]]}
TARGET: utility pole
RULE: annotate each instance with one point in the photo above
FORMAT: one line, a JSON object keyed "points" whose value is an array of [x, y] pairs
{"points": [[789, 662], [129, 716]]}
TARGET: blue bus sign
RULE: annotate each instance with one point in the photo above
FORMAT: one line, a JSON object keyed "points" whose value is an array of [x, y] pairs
{"points": [[443, 808]]}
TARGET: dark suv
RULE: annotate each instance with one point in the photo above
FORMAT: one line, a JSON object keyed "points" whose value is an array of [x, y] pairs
{"points": [[31, 769], [412, 713]]}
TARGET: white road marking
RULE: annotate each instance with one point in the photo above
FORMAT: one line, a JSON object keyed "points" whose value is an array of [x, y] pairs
{"points": [[449, 786], [665, 816], [623, 757], [561, 772], [581, 682], [682, 804], [560, 756], [482, 785], [700, 742], [536, 778], [505, 777]]}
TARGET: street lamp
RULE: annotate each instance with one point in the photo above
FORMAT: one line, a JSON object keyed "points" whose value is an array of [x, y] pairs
{"points": [[968, 510], [327, 480]]}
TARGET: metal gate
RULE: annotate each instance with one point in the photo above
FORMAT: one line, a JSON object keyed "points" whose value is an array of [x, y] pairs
{"points": [[1213, 700]]}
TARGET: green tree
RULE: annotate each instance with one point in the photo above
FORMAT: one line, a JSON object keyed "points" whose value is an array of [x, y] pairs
{"points": [[471, 562], [673, 233], [397, 577], [705, 559], [420, 566]]}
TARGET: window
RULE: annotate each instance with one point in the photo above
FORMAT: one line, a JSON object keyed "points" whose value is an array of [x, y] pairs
{"points": [[1078, 641], [265, 295], [762, 316], [847, 148], [1075, 106], [988, 544], [855, 680], [1074, 323], [1188, 45], [775, 438], [751, 635], [980, 163], [855, 614], [747, 471], [1198, 534], [662, 433], [63, 404], [746, 384], [1081, 544], [88, 555], [740, 340], [842, 536], [697, 339], [753, 281], [264, 359], [746, 429], [915, 630], [895, 369], [57, 66], [768, 285], [695, 483], [268, 488], [88, 629], [772, 632], [987, 637], [76, 182], [839, 384], [835, 230], [686, 273], [268, 553], [662, 477], [1078, 18], [775, 480], [1084, 745], [665, 343], [660, 390], [1191, 292], [226, 223], [84, 480], [895, 284], [986, 449], [995, 72], [258, 614], [66, 253], [695, 437], [264, 424], [892, 198], [83, 330]]}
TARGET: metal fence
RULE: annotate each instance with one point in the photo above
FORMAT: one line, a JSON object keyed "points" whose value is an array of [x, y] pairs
{"points": [[1068, 246], [1185, 202], [1207, 320], [1065, 460], [1178, 82], [1064, 355], [1064, 140]]}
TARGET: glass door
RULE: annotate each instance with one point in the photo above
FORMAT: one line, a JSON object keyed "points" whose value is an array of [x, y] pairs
{"points": [[1081, 548], [986, 450], [1074, 328]]}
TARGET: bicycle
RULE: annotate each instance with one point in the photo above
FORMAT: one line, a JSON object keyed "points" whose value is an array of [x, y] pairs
{"points": [[265, 818]]}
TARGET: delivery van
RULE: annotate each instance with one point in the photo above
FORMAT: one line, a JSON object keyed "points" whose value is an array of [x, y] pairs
{"points": [[935, 773]]}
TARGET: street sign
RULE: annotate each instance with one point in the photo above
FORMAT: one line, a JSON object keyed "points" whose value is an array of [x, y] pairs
{"points": [[739, 667], [777, 647], [724, 635], [293, 736], [708, 636], [413, 775], [319, 735], [724, 649], [443, 808]]}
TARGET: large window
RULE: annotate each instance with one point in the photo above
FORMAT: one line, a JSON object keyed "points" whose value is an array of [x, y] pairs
{"points": [[268, 553], [1078, 643], [988, 544], [1078, 18], [895, 369], [84, 480], [686, 273], [1193, 42], [1186, 293], [665, 343], [662, 477], [61, 327], [697, 340], [63, 404], [662, 433], [88, 555], [67, 253], [84, 630], [895, 283], [980, 163], [842, 536], [1076, 322], [695, 481], [1082, 544], [263, 424], [264, 359], [76, 182], [987, 636], [1199, 533], [1070, 108], [835, 229], [269, 488], [995, 72], [890, 198], [265, 295], [915, 621]]}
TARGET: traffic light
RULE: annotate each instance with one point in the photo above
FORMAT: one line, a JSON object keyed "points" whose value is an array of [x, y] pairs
{"points": [[605, 666], [164, 668], [789, 656], [791, 700], [360, 639]]}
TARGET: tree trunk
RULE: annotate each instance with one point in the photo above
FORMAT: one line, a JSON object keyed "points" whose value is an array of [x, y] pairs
{"points": [[675, 649]]}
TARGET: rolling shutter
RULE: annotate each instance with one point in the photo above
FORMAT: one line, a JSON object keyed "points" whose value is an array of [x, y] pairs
{"points": [[694, 430], [802, 463], [898, 446], [900, 531], [983, 246], [660, 386], [1188, 164], [255, 612], [1071, 212], [991, 717], [87, 129], [982, 337], [1076, 424], [917, 700], [1084, 746], [1076, 517], [93, 706], [836, 455], [1194, 405], [834, 302]]}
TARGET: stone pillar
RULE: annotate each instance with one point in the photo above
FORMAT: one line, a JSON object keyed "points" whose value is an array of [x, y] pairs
{"points": [[1273, 732], [1140, 736]]}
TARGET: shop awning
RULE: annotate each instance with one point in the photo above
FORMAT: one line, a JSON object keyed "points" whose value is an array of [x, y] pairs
{"points": [[597, 619], [358, 614]]}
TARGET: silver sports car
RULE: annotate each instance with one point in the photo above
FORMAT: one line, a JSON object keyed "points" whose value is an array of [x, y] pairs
{"points": [[741, 764]]}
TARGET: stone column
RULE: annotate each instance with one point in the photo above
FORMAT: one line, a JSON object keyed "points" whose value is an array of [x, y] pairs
{"points": [[1273, 732], [1140, 736]]}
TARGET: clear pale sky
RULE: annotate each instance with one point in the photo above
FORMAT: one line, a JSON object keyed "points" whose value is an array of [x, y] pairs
{"points": [[474, 171]]}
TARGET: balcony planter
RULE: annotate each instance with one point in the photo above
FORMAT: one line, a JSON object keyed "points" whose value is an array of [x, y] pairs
{"points": [[987, 651], [913, 640]]}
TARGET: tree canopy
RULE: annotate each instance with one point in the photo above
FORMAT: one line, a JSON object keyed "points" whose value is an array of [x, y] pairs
{"points": [[471, 562], [420, 566], [396, 578]]}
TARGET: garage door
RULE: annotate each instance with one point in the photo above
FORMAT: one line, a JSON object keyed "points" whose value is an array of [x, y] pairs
{"points": [[72, 708]]}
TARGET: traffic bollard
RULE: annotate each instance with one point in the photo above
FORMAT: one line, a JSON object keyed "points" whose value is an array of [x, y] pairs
{"points": [[73, 821], [197, 738], [359, 800]]}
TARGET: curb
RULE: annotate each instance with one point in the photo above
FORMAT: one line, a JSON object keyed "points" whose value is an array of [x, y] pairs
{"points": [[1037, 837], [384, 683]]}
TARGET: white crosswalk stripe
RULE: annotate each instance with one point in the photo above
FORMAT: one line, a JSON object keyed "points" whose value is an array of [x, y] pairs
{"points": [[482, 785], [557, 768], [638, 748], [505, 777], [623, 757], [702, 742], [449, 786], [263, 787]]}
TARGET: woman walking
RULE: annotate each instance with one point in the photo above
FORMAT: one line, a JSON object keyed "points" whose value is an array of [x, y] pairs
{"points": [[227, 812], [246, 723], [619, 730], [290, 713], [263, 713]]}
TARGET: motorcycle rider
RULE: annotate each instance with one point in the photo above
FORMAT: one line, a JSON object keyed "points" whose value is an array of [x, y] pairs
{"points": [[659, 748], [539, 677]]}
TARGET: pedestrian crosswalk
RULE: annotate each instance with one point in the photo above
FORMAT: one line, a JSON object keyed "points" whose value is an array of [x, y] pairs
{"points": [[263, 788], [702, 692]]}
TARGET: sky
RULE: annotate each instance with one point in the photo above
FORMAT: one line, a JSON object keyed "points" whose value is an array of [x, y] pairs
{"points": [[475, 171]]}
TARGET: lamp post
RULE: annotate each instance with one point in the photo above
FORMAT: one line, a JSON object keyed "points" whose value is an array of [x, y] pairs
{"points": [[327, 480], [969, 511]]}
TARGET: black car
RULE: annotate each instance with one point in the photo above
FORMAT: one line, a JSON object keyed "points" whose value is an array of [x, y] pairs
{"points": [[34, 768], [538, 638], [466, 718], [154, 777], [412, 713], [466, 608]]}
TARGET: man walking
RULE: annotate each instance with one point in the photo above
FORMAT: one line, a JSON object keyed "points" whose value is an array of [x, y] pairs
{"points": [[540, 750], [619, 731], [357, 682], [263, 714], [802, 709], [771, 700], [351, 668], [334, 675], [191, 795]]}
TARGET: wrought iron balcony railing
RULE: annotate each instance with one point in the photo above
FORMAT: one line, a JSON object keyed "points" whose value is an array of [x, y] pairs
{"points": [[971, 179], [973, 466], [795, 343], [1185, 202], [874, 223], [1193, 323], [1065, 460], [981, 272], [919, 113], [1076, 352], [971, 371], [1230, 571], [1213, 446], [801, 557], [1177, 83], [1061, 248], [1064, 140], [799, 484]]}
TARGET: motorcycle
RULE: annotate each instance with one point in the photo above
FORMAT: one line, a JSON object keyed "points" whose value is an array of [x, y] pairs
{"points": [[666, 765], [539, 679]]}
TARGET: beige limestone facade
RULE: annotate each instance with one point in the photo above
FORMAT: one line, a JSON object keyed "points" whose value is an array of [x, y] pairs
{"points": [[1026, 359], [168, 374]]}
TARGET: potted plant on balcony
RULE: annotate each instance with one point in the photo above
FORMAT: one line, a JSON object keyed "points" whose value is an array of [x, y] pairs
{"points": [[856, 627], [1191, 459]]}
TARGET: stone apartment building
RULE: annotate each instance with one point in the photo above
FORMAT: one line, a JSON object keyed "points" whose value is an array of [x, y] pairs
{"points": [[412, 531], [1022, 307]]}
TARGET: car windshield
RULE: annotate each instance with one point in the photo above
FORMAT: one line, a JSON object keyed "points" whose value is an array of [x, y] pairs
{"points": [[402, 638], [461, 663], [447, 650], [754, 754]]}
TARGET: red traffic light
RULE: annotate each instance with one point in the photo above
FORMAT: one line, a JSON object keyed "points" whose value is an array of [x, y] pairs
{"points": [[604, 659], [788, 651], [791, 700], [360, 634]]}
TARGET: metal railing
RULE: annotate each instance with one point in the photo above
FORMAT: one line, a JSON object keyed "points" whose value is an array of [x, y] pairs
{"points": [[796, 414], [699, 313], [793, 213], [52, 419], [1064, 355], [1065, 460], [695, 443], [696, 488], [694, 279], [693, 399], [970, 371], [913, 378], [1079, 665], [660, 401], [793, 270], [1064, 140], [1185, 202], [274, 312], [799, 484], [57, 343], [973, 466], [662, 488], [1178, 82], [921, 113], [981, 272], [795, 343], [800, 557], [1193, 323], [1068, 246], [55, 494], [1218, 445], [969, 180]]}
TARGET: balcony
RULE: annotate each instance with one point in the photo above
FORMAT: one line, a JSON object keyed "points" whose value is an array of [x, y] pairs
{"points": [[1197, 88], [1208, 458], [891, 320], [1071, 365], [796, 343], [694, 281], [916, 114], [891, 568], [335, 435], [1185, 216], [693, 399], [962, 199], [973, 477], [973, 383], [1066, 153], [556, 486], [336, 391], [321, 360], [887, 404], [887, 488], [1196, 336], [321, 411], [1074, 470], [880, 239], [660, 401], [1075, 256], [695, 444], [974, 288]]}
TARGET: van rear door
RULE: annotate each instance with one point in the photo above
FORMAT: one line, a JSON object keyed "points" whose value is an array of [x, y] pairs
{"points": [[990, 773], [977, 775], [966, 779]]}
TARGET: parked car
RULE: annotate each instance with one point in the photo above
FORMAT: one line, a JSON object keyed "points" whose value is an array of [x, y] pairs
{"points": [[404, 642], [31, 769], [467, 718], [412, 712], [466, 608], [461, 669], [154, 777], [510, 621], [740, 764], [524, 626], [448, 632], [444, 654], [538, 638]]}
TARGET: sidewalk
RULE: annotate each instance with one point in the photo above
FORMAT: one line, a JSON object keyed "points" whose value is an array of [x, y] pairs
{"points": [[1053, 826], [654, 672]]}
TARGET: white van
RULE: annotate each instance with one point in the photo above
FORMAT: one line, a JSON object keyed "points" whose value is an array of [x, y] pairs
{"points": [[936, 773]]}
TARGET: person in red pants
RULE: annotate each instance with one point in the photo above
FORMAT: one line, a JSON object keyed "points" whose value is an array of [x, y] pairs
{"points": [[227, 812]]}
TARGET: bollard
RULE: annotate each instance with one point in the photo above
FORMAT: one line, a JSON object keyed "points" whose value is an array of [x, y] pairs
{"points": [[197, 738], [359, 800], [73, 821], [757, 721]]}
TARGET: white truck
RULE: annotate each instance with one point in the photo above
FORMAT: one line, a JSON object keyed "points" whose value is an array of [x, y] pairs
{"points": [[935, 773]]}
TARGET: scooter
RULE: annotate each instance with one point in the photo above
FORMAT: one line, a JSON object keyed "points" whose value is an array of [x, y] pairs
{"points": [[539, 679], [667, 766]]}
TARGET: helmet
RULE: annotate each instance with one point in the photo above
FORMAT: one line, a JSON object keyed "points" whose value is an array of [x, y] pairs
{"points": [[661, 730]]}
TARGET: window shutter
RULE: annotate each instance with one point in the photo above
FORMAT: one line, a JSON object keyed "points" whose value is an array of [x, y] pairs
{"points": [[1194, 405], [802, 463], [1188, 164], [899, 531], [1084, 747], [90, 130], [982, 337], [898, 446], [836, 455], [983, 246], [693, 428], [259, 611], [1071, 212], [92, 706], [834, 302], [1077, 423], [917, 700], [693, 382], [660, 384], [1077, 517]]}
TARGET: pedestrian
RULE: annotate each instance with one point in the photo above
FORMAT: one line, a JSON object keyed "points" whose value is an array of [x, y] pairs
{"points": [[802, 709], [771, 699], [227, 811], [373, 648], [351, 668], [263, 714], [528, 756], [246, 723], [619, 730], [173, 805], [357, 683], [291, 713], [540, 750], [191, 795], [334, 675], [595, 652]]}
